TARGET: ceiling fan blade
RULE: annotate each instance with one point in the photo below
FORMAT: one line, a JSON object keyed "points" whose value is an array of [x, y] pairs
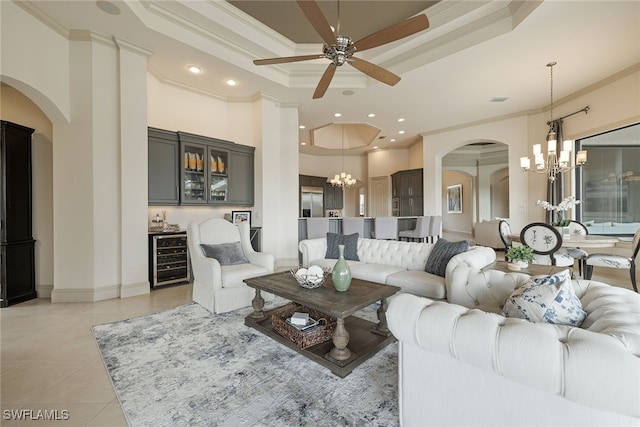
{"points": [[323, 84], [372, 70], [393, 33], [284, 59], [318, 20]]}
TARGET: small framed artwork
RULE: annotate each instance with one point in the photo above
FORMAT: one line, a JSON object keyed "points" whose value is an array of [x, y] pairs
{"points": [[454, 198], [240, 216]]}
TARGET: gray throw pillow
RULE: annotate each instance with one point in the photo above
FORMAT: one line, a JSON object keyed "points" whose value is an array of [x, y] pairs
{"points": [[442, 253], [350, 242], [225, 253]]}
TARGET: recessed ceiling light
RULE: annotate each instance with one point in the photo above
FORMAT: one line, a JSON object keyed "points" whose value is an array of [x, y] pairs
{"points": [[400, 132], [303, 143], [401, 119], [194, 69], [301, 127], [499, 98], [348, 92], [337, 115], [108, 7], [392, 140], [231, 82], [375, 147], [371, 115]]}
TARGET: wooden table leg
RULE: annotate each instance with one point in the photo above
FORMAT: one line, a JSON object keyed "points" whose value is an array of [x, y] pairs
{"points": [[258, 306], [381, 328], [340, 339]]}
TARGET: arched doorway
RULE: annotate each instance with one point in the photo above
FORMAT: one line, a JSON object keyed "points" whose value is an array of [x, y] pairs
{"points": [[482, 169]]}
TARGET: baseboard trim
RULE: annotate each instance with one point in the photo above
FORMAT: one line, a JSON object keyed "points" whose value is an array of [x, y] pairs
{"points": [[44, 291], [134, 289], [85, 295]]}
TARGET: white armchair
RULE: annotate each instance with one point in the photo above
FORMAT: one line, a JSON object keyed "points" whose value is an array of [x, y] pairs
{"points": [[221, 288]]}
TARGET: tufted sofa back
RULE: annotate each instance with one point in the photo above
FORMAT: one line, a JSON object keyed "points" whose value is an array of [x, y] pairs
{"points": [[610, 310], [410, 255]]}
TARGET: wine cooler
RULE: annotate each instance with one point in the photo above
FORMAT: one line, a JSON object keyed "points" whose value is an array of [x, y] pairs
{"points": [[168, 259]]}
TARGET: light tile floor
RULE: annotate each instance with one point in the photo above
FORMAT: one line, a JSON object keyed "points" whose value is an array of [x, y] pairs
{"points": [[50, 361]]}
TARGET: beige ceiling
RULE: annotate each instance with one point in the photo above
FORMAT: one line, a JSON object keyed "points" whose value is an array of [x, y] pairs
{"points": [[472, 52], [357, 18]]}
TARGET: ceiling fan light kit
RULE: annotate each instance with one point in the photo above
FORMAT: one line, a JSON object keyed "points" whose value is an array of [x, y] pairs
{"points": [[339, 49]]}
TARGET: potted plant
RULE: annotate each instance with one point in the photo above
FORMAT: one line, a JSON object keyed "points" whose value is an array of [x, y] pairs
{"points": [[519, 257]]}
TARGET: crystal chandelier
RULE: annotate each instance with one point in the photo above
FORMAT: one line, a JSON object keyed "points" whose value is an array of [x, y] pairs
{"points": [[555, 163], [342, 179]]}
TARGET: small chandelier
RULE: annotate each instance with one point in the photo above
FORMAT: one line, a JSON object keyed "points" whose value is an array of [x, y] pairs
{"points": [[555, 164], [342, 179]]}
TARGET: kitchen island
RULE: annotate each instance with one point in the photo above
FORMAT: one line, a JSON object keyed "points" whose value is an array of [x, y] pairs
{"points": [[335, 225]]}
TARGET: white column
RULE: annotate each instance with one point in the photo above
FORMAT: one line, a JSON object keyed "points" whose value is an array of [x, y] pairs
{"points": [[133, 168]]}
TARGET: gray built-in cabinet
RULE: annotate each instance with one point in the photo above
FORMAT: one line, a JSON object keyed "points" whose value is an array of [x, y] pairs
{"points": [[189, 169], [164, 175], [407, 189]]}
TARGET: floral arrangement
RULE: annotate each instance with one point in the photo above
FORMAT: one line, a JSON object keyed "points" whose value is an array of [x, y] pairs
{"points": [[560, 209], [520, 253]]}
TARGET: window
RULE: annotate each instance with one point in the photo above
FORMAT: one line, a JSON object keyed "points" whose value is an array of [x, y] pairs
{"points": [[609, 184]]}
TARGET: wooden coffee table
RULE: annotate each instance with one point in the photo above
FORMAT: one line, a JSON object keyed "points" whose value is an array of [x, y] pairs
{"points": [[354, 339]]}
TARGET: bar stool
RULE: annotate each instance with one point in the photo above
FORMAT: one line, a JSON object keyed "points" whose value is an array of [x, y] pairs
{"points": [[352, 225], [421, 232], [386, 228], [434, 228], [317, 227]]}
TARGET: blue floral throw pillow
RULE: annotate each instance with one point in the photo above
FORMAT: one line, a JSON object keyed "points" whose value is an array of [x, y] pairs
{"points": [[549, 299]]}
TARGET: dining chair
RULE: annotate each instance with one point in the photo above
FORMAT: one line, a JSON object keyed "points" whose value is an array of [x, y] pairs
{"points": [[615, 261], [421, 232], [545, 241], [351, 225], [386, 228], [505, 234], [317, 227], [576, 228]]}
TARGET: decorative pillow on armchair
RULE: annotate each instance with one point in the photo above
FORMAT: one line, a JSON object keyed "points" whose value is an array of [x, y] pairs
{"points": [[350, 242], [225, 253], [549, 299]]}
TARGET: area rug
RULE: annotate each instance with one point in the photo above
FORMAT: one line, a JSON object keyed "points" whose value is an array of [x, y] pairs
{"points": [[187, 367]]}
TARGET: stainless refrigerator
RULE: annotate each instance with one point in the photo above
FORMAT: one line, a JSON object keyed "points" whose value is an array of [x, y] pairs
{"points": [[312, 202]]}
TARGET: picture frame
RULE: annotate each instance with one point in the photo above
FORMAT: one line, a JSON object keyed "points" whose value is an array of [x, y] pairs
{"points": [[240, 216], [454, 198]]}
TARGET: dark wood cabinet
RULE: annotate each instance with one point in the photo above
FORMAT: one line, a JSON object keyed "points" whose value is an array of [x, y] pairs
{"points": [[164, 175], [333, 198], [17, 246], [407, 189]]}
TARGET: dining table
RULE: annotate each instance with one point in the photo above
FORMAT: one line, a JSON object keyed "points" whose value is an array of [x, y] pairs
{"points": [[583, 241]]}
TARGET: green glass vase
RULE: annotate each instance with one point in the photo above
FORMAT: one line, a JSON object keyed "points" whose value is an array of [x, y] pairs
{"points": [[341, 274]]}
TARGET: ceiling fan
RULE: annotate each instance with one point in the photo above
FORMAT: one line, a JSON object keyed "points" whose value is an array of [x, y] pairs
{"points": [[340, 49]]}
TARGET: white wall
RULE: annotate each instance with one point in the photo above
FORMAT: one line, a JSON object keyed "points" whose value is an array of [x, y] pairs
{"points": [[614, 102]]}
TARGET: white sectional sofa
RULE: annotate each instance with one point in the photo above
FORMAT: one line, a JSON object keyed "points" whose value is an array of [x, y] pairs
{"points": [[396, 263], [463, 363]]}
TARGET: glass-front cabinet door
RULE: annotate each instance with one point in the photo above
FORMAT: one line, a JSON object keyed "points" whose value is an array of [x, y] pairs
{"points": [[194, 186], [218, 176], [205, 175]]}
